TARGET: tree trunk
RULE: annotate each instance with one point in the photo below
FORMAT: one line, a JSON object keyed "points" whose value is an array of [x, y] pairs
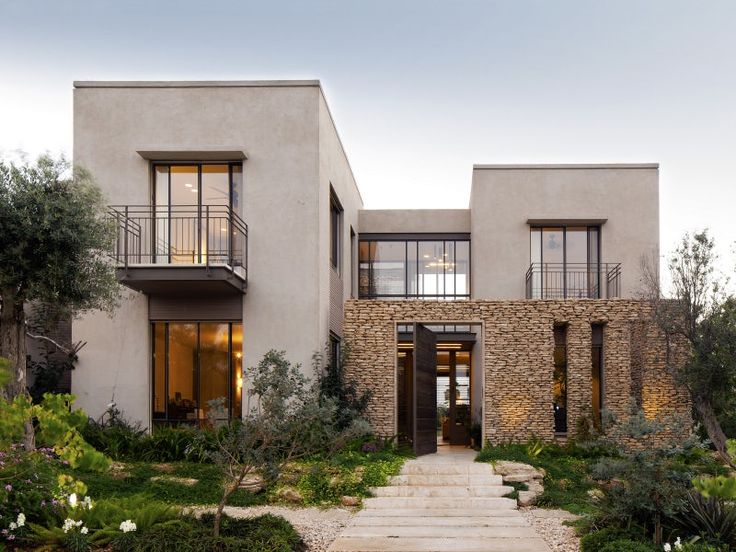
{"points": [[712, 427], [227, 491], [13, 348]]}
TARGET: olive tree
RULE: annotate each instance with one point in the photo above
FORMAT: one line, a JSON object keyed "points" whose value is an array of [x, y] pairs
{"points": [[53, 239], [701, 316]]}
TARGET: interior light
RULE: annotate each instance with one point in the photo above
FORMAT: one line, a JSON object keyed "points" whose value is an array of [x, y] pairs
{"points": [[426, 256], [188, 185], [194, 190], [240, 381], [238, 355]]}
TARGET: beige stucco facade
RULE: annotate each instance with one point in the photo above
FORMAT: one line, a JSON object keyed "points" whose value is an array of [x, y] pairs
{"points": [[293, 156]]}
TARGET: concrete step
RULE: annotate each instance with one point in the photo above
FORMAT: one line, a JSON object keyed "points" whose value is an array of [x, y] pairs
{"points": [[440, 521], [436, 513], [419, 468], [442, 491], [427, 530], [444, 502], [452, 480], [433, 544]]}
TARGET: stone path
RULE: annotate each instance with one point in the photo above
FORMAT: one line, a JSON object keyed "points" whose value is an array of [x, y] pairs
{"points": [[441, 502]]}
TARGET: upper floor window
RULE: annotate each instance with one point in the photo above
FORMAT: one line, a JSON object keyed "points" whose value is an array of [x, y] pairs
{"points": [[198, 184], [565, 262], [335, 220], [414, 268]]}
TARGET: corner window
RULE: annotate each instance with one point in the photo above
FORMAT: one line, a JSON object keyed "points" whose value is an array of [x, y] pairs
{"points": [[335, 220]]}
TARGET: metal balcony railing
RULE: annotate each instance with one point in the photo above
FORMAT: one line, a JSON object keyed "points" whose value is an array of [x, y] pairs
{"points": [[180, 235], [573, 281]]}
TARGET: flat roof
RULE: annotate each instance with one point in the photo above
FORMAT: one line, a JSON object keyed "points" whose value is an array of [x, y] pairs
{"points": [[566, 166], [195, 84]]}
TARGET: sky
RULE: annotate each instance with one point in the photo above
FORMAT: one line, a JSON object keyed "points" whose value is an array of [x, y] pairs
{"points": [[422, 90]]}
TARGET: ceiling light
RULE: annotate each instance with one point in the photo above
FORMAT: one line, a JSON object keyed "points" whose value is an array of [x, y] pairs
{"points": [[188, 185], [426, 256], [194, 190]]}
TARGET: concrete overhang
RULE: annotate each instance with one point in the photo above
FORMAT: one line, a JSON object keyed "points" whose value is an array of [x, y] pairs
{"points": [[566, 221], [182, 280], [563, 166], [189, 153]]}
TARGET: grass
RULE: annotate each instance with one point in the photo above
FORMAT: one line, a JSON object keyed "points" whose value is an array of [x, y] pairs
{"points": [[567, 473], [131, 479]]}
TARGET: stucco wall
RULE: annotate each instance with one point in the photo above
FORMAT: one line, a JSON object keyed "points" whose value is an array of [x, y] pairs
{"points": [[415, 221], [282, 129], [504, 198], [517, 352]]}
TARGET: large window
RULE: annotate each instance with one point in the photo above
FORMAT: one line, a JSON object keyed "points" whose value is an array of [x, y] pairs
{"points": [[414, 268], [597, 372], [565, 262], [335, 223], [559, 385], [192, 203], [194, 363]]}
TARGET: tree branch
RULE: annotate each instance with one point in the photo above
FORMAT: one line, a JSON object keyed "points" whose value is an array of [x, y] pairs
{"points": [[71, 351]]}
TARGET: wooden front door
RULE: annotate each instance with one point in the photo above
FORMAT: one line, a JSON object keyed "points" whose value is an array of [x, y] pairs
{"points": [[424, 391]]}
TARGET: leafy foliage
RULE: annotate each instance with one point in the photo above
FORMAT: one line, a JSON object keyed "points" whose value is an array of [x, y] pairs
{"points": [[717, 487], [595, 541], [627, 545], [335, 386], [713, 519]]}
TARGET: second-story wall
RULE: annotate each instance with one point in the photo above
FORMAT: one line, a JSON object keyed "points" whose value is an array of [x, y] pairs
{"points": [[507, 199]]}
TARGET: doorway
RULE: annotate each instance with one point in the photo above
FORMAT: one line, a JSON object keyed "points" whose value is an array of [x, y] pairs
{"points": [[434, 385]]}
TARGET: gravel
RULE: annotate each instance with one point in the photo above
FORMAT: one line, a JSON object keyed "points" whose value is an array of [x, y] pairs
{"points": [[549, 525], [317, 527]]}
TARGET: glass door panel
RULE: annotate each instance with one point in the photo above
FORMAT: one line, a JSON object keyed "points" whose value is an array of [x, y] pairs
{"points": [[182, 372], [215, 240], [576, 260], [236, 361], [160, 214], [183, 213], [159, 371], [214, 365], [553, 257]]}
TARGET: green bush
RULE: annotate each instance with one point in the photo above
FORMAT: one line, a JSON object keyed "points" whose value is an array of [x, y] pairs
{"points": [[262, 534], [594, 542], [626, 545], [712, 519]]}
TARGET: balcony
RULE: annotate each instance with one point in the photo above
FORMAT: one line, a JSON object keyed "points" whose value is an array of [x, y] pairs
{"points": [[180, 249], [573, 281]]}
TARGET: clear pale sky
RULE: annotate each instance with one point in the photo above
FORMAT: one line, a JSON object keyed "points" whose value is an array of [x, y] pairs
{"points": [[421, 90]]}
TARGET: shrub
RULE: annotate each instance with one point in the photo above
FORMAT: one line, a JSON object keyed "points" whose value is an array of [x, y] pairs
{"points": [[626, 545], [262, 534], [594, 542], [113, 435], [713, 519]]}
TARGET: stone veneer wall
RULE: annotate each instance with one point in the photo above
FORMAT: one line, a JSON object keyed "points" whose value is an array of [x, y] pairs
{"points": [[517, 346]]}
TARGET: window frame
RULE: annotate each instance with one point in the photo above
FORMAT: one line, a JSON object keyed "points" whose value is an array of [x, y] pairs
{"points": [[415, 239], [336, 214], [232, 381]]}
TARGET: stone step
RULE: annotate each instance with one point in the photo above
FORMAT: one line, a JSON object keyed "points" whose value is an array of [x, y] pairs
{"points": [[419, 468], [427, 530], [443, 502], [436, 513], [452, 480], [433, 544], [442, 491], [439, 521]]}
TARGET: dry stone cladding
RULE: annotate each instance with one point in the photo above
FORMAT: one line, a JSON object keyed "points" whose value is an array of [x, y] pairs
{"points": [[517, 346]]}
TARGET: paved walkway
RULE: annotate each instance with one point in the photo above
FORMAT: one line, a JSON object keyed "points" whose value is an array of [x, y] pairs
{"points": [[441, 502]]}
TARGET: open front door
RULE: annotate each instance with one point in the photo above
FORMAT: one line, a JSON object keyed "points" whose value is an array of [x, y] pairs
{"points": [[424, 391]]}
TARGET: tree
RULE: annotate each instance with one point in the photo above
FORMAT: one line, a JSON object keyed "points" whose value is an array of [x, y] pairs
{"points": [[285, 419], [702, 317], [53, 239]]}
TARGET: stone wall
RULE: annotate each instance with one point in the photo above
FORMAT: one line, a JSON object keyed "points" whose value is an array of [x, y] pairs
{"points": [[517, 346]]}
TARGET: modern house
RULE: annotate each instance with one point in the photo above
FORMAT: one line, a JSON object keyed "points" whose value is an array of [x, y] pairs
{"points": [[241, 229]]}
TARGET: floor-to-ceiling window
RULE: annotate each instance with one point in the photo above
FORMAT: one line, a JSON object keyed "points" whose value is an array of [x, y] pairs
{"points": [[559, 382], [597, 372], [192, 204], [194, 363], [565, 262], [401, 268]]}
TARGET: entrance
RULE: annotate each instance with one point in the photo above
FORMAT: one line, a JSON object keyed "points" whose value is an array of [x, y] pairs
{"points": [[434, 393]]}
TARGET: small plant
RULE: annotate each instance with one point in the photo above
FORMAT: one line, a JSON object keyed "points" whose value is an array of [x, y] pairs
{"points": [[717, 487], [535, 447], [626, 545], [712, 519]]}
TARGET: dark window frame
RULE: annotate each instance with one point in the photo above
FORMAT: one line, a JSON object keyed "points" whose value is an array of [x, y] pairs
{"points": [[414, 239], [232, 381], [336, 212]]}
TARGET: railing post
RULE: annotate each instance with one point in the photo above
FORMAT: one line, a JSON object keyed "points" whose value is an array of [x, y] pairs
{"points": [[230, 238], [207, 237], [125, 247]]}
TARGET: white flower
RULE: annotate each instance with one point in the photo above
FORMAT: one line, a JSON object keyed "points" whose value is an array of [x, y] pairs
{"points": [[13, 526], [678, 544], [127, 526], [70, 524], [87, 503], [667, 547], [84, 530], [73, 500], [21, 520]]}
